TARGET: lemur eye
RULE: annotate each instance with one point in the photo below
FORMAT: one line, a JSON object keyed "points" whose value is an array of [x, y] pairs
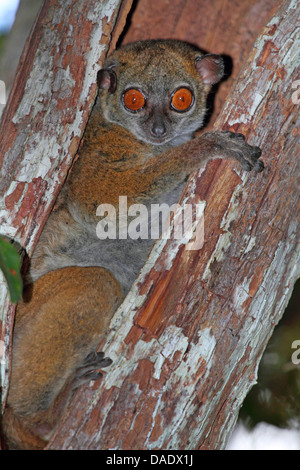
{"points": [[133, 99], [182, 99]]}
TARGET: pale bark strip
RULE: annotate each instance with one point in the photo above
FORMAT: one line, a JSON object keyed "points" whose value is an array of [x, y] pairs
{"points": [[187, 341], [15, 40], [45, 117]]}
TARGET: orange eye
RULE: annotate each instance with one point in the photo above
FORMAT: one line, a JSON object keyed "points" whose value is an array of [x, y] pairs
{"points": [[182, 99], [134, 100]]}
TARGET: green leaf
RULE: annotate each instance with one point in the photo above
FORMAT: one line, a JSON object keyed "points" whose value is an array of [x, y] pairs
{"points": [[10, 263]]}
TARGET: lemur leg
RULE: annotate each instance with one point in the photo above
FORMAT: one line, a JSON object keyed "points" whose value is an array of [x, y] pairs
{"points": [[82, 299]]}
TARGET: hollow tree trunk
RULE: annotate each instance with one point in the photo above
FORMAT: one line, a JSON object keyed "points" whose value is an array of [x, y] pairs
{"points": [[187, 341]]}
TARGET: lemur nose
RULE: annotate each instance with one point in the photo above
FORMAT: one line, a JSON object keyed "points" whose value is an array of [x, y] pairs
{"points": [[158, 129]]}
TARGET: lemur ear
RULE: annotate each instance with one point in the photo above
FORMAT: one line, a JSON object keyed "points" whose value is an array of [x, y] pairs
{"points": [[107, 79], [210, 67]]}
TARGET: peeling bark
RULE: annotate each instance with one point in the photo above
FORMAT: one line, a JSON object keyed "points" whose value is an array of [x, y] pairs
{"points": [[187, 341], [45, 117]]}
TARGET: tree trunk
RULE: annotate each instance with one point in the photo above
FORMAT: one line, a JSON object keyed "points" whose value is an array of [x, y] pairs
{"points": [[187, 341], [45, 117]]}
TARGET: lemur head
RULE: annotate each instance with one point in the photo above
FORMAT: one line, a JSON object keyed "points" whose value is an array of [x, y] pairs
{"points": [[157, 89]]}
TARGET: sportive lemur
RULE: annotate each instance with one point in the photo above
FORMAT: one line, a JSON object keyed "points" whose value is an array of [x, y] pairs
{"points": [[138, 143]]}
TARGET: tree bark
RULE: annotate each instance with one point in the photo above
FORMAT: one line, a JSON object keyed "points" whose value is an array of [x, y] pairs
{"points": [[187, 341], [45, 117]]}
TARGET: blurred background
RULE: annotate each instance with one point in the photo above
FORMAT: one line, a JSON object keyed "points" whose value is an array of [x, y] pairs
{"points": [[270, 416]]}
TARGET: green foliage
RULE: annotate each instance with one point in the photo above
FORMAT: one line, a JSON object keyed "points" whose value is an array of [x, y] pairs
{"points": [[2, 40], [276, 397], [10, 263]]}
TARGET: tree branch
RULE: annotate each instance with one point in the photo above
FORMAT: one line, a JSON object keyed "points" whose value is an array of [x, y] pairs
{"points": [[45, 117], [187, 341]]}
